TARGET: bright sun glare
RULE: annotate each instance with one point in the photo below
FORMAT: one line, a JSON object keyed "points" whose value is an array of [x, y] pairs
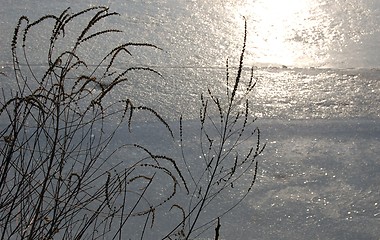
{"points": [[285, 32]]}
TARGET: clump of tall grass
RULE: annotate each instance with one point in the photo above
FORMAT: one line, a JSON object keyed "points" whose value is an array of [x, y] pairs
{"points": [[56, 180], [229, 145]]}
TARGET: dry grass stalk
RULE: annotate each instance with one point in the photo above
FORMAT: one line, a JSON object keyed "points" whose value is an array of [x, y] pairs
{"points": [[56, 180]]}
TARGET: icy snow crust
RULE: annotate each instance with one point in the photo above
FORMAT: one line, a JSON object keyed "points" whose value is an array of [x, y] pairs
{"points": [[318, 179], [319, 174]]}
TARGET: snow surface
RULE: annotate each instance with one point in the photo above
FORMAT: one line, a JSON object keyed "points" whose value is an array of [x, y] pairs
{"points": [[318, 179], [319, 174]]}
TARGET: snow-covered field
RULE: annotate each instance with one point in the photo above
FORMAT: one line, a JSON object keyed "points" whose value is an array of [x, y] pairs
{"points": [[319, 176], [318, 179]]}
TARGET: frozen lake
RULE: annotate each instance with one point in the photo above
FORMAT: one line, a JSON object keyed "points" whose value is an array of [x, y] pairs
{"points": [[317, 98]]}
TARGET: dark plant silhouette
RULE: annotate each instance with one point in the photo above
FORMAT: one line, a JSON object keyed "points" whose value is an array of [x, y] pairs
{"points": [[229, 147], [58, 173]]}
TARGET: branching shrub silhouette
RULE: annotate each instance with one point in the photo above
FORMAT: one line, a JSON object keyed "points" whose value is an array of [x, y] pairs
{"points": [[55, 176]]}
